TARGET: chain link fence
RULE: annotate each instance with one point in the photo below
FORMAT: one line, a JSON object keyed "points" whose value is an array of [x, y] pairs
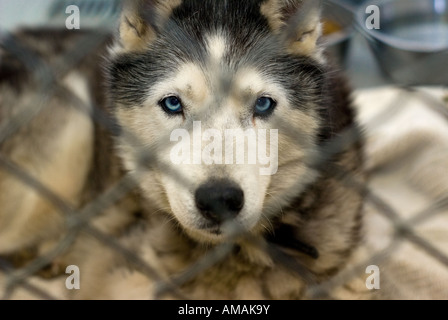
{"points": [[386, 209]]}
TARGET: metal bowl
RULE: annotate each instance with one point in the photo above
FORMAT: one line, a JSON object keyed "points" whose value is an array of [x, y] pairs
{"points": [[411, 46], [337, 41]]}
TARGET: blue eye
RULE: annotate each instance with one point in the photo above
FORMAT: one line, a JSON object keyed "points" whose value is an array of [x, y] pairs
{"points": [[172, 105], [264, 106]]}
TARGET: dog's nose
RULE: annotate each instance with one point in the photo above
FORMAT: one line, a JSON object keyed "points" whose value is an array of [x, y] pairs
{"points": [[219, 200]]}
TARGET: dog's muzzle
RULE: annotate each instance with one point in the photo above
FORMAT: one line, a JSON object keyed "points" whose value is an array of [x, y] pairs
{"points": [[219, 200]]}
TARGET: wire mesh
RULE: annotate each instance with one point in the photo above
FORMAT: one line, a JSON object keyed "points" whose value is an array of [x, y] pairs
{"points": [[81, 220]]}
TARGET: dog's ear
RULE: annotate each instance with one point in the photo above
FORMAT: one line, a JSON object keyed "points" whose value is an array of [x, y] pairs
{"points": [[298, 21], [141, 20]]}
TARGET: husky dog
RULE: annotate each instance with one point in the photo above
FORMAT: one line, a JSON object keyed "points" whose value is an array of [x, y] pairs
{"points": [[222, 230], [232, 65]]}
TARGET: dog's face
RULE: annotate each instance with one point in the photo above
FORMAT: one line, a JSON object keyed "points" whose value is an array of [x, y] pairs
{"points": [[220, 104]]}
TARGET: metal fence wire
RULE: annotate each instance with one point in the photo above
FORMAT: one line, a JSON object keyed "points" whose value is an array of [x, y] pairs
{"points": [[32, 273]]}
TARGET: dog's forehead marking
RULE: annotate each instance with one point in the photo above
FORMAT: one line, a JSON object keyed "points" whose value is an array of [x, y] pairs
{"points": [[189, 81], [196, 86], [249, 80], [216, 45]]}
